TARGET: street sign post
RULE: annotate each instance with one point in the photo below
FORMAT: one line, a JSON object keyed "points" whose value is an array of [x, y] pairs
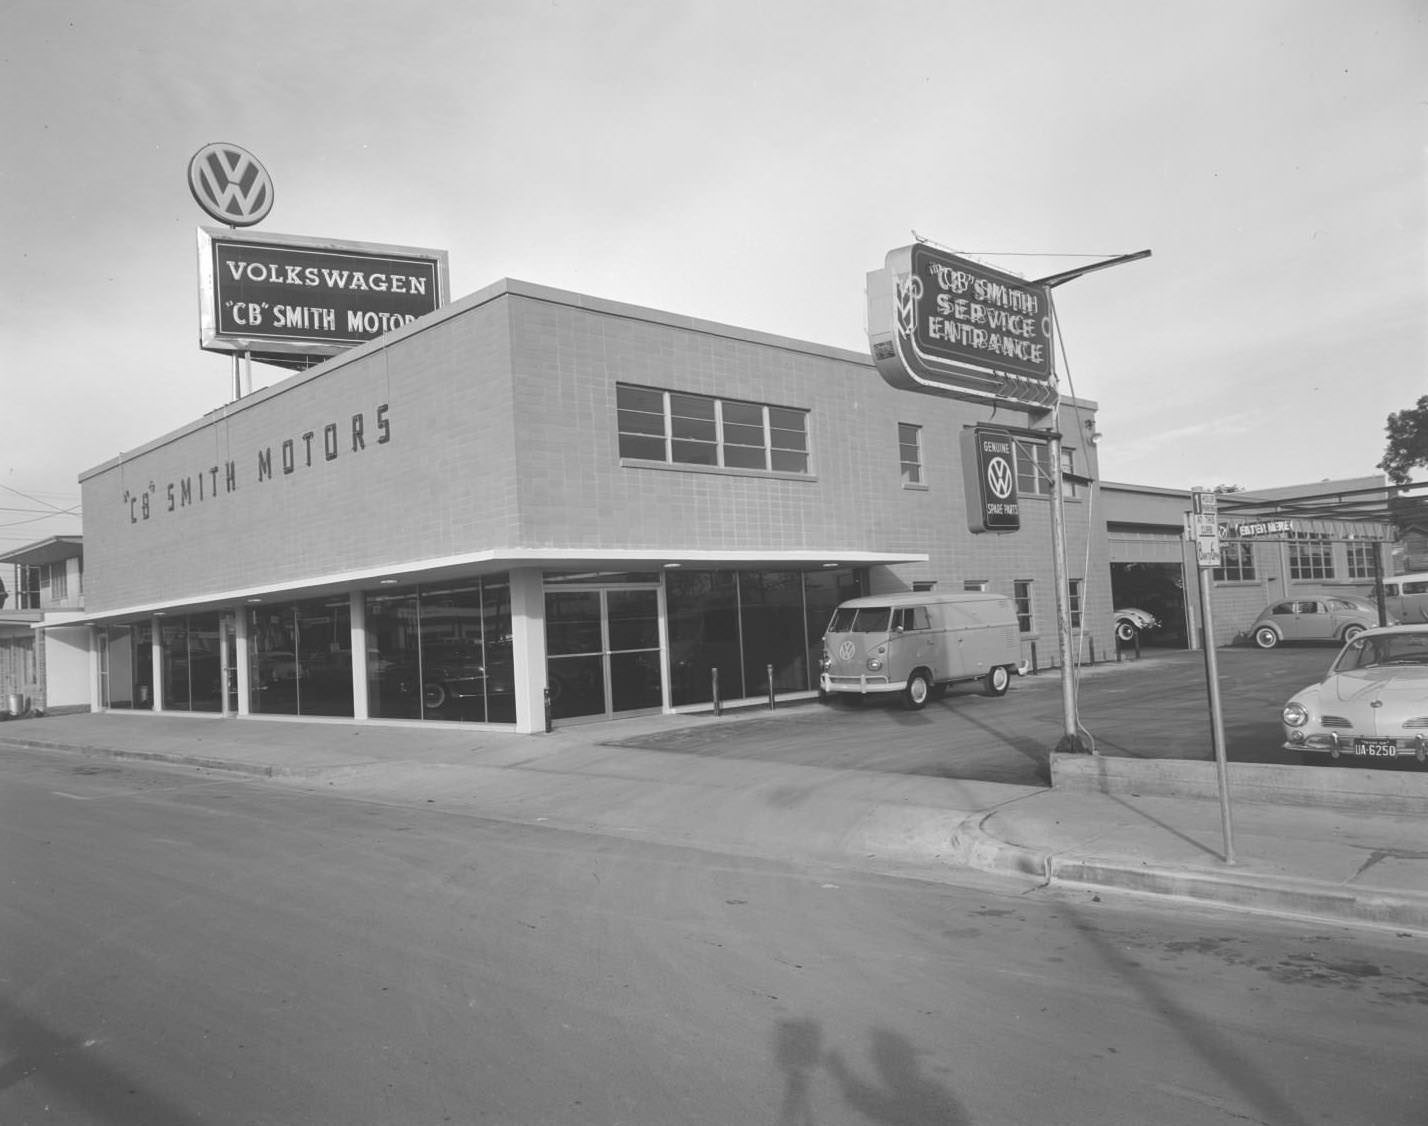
{"points": [[1202, 526]]}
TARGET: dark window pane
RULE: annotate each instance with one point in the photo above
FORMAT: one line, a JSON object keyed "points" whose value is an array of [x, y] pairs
{"points": [[393, 656], [694, 453], [746, 414], [745, 457], [324, 664], [651, 449], [698, 428], [702, 607], [639, 399], [789, 462], [691, 406], [637, 422], [736, 435], [453, 658]]}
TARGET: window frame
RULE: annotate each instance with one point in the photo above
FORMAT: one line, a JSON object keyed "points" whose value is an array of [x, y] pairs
{"points": [[722, 434], [1023, 603], [1241, 569], [1311, 556], [909, 441]]}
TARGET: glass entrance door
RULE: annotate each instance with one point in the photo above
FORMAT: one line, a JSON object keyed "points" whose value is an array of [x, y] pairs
{"points": [[602, 649]]}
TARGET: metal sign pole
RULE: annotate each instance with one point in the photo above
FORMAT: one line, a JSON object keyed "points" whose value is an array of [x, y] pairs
{"points": [[1070, 741], [1203, 526], [1217, 717]]}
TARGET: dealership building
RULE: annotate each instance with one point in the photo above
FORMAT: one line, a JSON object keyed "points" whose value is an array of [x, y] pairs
{"points": [[532, 506]]}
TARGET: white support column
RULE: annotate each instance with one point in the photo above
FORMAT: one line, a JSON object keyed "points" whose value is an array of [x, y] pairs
{"points": [[240, 633], [528, 648], [96, 677], [357, 607], [156, 661]]}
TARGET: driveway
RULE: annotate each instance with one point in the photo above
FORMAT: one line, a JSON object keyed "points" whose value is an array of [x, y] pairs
{"points": [[1157, 707]]}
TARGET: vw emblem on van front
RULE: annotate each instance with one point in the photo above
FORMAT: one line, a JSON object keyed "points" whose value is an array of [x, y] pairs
{"points": [[230, 184], [846, 651]]}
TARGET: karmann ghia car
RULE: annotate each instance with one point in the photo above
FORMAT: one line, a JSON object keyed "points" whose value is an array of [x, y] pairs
{"points": [[1372, 705]]}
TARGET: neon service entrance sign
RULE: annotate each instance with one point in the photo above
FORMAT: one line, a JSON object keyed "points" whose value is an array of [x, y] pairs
{"points": [[294, 301], [945, 325]]}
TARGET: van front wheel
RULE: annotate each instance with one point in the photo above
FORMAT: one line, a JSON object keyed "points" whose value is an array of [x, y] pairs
{"points": [[997, 680], [919, 688]]}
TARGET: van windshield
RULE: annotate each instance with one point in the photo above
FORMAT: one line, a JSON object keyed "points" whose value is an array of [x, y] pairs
{"points": [[867, 619]]}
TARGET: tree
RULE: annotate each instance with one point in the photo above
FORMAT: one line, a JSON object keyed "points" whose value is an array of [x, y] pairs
{"points": [[1407, 442]]}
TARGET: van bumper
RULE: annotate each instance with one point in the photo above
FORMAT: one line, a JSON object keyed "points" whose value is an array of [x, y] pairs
{"points": [[861, 685]]}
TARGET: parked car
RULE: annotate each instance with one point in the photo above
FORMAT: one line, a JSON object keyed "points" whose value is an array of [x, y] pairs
{"points": [[1316, 618], [1131, 622], [1372, 705]]}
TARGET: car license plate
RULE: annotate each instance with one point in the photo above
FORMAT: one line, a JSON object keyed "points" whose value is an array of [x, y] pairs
{"points": [[1376, 748]]}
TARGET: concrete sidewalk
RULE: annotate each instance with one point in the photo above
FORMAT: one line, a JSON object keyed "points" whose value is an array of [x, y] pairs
{"points": [[1312, 862]]}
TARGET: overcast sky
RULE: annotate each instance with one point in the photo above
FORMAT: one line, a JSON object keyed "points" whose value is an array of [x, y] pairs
{"points": [[745, 163]]}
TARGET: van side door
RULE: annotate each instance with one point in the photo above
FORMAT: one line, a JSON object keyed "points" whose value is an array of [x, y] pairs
{"points": [[914, 643]]}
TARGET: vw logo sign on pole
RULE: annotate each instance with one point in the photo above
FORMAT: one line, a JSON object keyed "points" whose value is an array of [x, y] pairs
{"points": [[989, 474], [230, 184]]}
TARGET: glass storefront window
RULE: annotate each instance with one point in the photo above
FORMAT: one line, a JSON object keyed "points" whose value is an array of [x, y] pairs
{"points": [[703, 609], [442, 653], [740, 622], [324, 635], [273, 663], [126, 666], [192, 663], [772, 623], [453, 659], [393, 656]]}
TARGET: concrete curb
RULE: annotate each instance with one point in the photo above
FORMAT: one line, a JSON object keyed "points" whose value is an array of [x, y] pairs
{"points": [[226, 766], [974, 847], [1324, 787]]}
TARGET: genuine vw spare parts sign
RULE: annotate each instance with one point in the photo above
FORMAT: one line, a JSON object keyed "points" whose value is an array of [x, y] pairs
{"points": [[294, 301], [230, 184]]}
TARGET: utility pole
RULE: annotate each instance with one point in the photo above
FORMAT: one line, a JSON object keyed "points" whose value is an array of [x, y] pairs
{"points": [[1070, 741]]}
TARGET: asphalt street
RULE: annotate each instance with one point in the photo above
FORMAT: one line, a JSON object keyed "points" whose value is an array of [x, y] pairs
{"points": [[181, 947]]}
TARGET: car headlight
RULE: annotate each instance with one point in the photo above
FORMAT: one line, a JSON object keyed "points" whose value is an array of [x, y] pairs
{"points": [[874, 664], [1294, 714]]}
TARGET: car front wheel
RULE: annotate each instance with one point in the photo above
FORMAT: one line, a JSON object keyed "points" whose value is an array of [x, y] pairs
{"points": [[1351, 632], [1266, 638], [997, 680], [919, 688], [1125, 632]]}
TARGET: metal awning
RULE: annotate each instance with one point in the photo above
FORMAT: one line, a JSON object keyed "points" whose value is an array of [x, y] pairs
{"points": [[53, 550]]}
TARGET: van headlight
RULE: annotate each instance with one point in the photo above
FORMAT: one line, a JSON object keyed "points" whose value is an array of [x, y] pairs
{"points": [[825, 662], [1294, 714], [874, 665]]}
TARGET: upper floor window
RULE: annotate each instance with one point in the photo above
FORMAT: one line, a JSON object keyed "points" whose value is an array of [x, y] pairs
{"points": [[683, 429], [909, 452], [1311, 556], [1236, 562], [1361, 560], [1073, 600], [1033, 469], [1021, 596]]}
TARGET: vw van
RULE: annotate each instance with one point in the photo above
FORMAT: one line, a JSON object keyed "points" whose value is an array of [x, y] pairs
{"points": [[917, 644], [1406, 597]]}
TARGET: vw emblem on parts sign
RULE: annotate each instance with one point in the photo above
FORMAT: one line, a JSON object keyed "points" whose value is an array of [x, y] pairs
{"points": [[230, 184], [989, 475], [999, 478]]}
